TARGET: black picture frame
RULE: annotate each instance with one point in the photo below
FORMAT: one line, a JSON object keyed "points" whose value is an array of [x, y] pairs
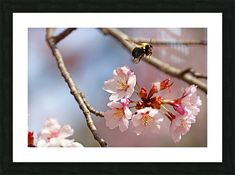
{"points": [[8, 7]]}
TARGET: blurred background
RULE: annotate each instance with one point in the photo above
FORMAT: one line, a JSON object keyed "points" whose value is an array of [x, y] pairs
{"points": [[90, 57]]}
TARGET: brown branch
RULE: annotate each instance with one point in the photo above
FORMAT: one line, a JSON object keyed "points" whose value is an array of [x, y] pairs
{"points": [[62, 35], [57, 39], [162, 66], [194, 73], [163, 43], [90, 108], [73, 89]]}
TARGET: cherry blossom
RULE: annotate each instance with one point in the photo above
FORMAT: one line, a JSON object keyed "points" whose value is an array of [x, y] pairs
{"points": [[121, 85], [189, 101], [148, 109], [53, 135], [147, 119], [180, 126], [119, 115]]}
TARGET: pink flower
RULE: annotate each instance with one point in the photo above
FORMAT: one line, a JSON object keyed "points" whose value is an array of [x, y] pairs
{"points": [[122, 85], [181, 126], [53, 135], [119, 115], [147, 119], [188, 107], [189, 102]]}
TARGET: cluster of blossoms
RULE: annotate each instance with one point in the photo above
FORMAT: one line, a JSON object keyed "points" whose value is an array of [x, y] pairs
{"points": [[151, 109], [53, 135]]}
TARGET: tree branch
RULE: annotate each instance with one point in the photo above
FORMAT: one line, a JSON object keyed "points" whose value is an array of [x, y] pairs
{"points": [[194, 73], [162, 43], [90, 108], [162, 66], [63, 34], [73, 89]]}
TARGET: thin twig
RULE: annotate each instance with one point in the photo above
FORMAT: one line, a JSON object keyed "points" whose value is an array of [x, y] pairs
{"points": [[163, 43], [162, 66], [56, 40], [90, 108], [62, 35], [73, 89]]}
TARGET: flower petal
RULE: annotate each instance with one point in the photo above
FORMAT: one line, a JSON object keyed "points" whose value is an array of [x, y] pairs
{"points": [[128, 113], [110, 120], [54, 142], [52, 124], [44, 134], [123, 124], [110, 86], [66, 142], [132, 81], [136, 119], [42, 143], [114, 104], [144, 110], [153, 112], [66, 131], [118, 96], [180, 126]]}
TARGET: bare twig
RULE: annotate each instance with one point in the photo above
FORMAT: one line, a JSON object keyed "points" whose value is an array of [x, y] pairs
{"points": [[62, 35], [90, 108], [162, 66], [73, 89], [163, 43]]}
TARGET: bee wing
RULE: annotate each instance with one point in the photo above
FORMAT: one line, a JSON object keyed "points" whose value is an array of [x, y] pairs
{"points": [[137, 60]]}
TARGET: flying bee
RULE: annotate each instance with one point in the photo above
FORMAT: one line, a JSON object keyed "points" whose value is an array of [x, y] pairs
{"points": [[140, 51]]}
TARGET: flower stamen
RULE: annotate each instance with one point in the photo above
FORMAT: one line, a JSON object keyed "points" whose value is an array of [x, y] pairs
{"points": [[122, 85], [119, 113], [147, 119]]}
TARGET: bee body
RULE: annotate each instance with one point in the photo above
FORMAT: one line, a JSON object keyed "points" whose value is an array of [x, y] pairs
{"points": [[140, 51]]}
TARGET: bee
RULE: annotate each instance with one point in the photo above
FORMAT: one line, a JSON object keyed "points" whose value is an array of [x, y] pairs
{"points": [[140, 51]]}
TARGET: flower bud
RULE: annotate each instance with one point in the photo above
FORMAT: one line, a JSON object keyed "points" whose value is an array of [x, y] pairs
{"points": [[30, 139], [165, 84], [143, 93]]}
